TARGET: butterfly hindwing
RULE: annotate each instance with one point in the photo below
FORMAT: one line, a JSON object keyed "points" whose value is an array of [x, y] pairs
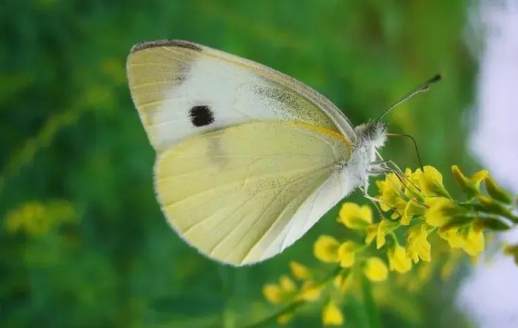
{"points": [[237, 194]]}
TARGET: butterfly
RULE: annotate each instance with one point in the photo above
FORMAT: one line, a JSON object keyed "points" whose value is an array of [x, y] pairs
{"points": [[247, 158]]}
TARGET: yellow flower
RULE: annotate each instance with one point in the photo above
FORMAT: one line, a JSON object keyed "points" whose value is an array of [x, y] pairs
{"points": [[475, 241], [346, 253], [418, 246], [287, 285], [384, 227], [278, 293], [371, 233], [272, 293], [391, 190], [310, 291], [326, 249], [430, 182], [355, 216], [344, 282], [332, 315], [470, 239], [453, 236], [472, 184], [412, 186], [284, 319], [299, 271], [411, 210], [35, 218], [440, 211], [399, 260], [375, 269]]}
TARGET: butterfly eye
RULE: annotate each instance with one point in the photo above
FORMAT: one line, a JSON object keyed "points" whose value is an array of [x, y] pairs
{"points": [[201, 115]]}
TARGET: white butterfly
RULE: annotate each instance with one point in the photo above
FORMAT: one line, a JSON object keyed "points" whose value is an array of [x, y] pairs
{"points": [[248, 159]]}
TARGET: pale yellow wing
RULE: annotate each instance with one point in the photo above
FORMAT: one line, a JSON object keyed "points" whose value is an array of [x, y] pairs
{"points": [[242, 194], [247, 157]]}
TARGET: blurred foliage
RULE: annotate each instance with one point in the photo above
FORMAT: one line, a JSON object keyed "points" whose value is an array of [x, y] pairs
{"points": [[73, 149]]}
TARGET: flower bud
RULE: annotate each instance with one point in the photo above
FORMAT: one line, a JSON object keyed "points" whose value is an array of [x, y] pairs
{"points": [[497, 192]]}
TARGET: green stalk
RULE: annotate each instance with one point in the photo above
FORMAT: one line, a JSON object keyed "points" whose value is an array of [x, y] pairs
{"points": [[273, 318], [371, 310]]}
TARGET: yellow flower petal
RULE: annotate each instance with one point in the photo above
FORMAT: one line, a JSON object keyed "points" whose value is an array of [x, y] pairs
{"points": [[375, 269], [470, 239], [355, 216], [332, 315], [372, 232], [384, 227], [399, 260], [454, 238], [272, 293], [310, 292], [299, 271], [346, 253], [287, 285], [440, 211], [470, 185], [391, 193], [344, 283], [418, 246], [326, 249], [285, 319], [412, 187], [431, 184], [475, 241], [411, 210]]}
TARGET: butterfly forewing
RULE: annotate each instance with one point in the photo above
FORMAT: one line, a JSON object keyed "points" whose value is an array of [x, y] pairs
{"points": [[168, 79]]}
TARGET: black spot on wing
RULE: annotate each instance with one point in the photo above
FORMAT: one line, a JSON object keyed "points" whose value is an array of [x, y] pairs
{"points": [[201, 115], [166, 43]]}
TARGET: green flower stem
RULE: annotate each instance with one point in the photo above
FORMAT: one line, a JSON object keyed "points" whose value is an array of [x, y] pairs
{"points": [[273, 318], [370, 305], [489, 214], [394, 237]]}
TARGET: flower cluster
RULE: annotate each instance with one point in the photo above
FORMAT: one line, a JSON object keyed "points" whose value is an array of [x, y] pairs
{"points": [[36, 218], [298, 287], [415, 210]]}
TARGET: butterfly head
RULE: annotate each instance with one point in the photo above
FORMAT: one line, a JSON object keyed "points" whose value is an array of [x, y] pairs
{"points": [[372, 134]]}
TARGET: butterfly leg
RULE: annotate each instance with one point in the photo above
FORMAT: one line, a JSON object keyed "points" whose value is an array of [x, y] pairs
{"points": [[373, 200], [402, 176]]}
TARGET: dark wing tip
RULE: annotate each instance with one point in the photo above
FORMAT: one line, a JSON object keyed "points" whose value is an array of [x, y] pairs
{"points": [[165, 43]]}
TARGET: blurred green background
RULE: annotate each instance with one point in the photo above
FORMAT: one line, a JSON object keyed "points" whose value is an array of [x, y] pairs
{"points": [[82, 240]]}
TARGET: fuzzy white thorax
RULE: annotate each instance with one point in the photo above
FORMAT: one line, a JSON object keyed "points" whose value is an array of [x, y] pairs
{"points": [[356, 172]]}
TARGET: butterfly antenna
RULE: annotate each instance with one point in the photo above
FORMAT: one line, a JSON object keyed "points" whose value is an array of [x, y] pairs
{"points": [[423, 87], [409, 137]]}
